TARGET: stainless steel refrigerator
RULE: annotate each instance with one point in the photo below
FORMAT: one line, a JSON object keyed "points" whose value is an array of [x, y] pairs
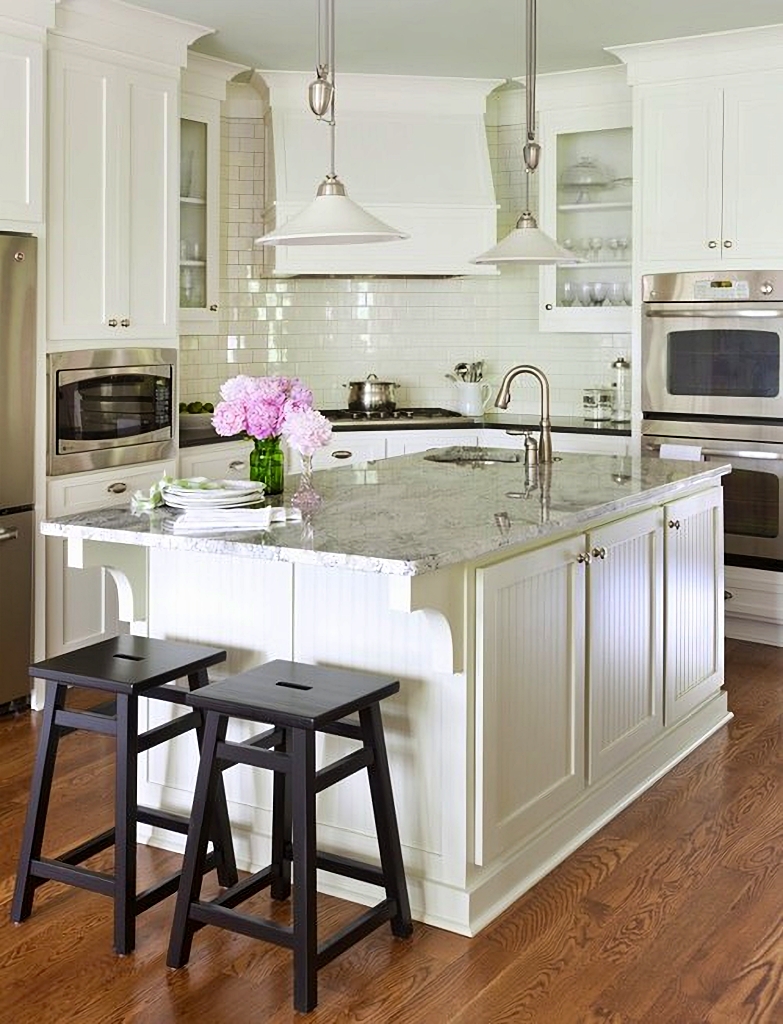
{"points": [[17, 427]]}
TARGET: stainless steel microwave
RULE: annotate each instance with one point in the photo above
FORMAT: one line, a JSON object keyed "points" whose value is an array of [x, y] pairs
{"points": [[712, 344], [110, 407]]}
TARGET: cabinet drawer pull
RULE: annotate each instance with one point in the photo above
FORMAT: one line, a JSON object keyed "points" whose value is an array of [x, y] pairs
{"points": [[113, 322], [599, 552], [727, 243], [674, 524], [8, 533], [341, 454], [236, 464], [584, 558], [712, 244], [125, 322], [118, 488]]}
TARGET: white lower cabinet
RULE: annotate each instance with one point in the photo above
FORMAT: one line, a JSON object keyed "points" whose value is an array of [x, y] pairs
{"points": [[587, 651], [217, 461], [694, 602], [81, 607], [406, 442], [346, 449]]}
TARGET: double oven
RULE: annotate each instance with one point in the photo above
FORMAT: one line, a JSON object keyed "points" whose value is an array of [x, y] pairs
{"points": [[712, 377]]}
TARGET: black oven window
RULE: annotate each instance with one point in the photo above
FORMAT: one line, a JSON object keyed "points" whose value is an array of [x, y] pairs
{"points": [[735, 363], [751, 503], [119, 405]]}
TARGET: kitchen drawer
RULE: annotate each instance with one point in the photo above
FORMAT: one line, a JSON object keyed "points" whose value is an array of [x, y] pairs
{"points": [[84, 491], [406, 442], [217, 461], [346, 449]]}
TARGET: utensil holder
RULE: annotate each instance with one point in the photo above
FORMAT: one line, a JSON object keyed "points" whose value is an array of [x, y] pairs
{"points": [[472, 397]]}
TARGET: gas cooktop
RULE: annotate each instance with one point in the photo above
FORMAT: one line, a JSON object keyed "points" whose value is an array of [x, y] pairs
{"points": [[380, 417]]}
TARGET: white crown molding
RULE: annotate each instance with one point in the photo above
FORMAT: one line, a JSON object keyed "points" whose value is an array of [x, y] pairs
{"points": [[209, 76], [115, 25], [707, 56], [26, 17]]}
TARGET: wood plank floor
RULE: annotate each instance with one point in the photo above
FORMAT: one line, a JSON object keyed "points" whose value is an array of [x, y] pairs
{"points": [[672, 914]]}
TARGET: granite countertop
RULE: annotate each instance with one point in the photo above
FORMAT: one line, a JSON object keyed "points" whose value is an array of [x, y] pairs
{"points": [[492, 420], [409, 515]]}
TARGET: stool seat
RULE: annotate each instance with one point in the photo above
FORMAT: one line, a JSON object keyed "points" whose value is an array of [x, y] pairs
{"points": [[294, 694], [126, 667], [296, 700]]}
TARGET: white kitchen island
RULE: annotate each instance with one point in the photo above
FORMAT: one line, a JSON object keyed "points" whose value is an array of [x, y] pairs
{"points": [[558, 637]]}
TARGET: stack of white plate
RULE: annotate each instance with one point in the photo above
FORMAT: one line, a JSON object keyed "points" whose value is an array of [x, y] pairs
{"points": [[200, 493]]}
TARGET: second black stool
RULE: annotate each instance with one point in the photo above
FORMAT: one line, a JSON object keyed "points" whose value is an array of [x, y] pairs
{"points": [[297, 700], [125, 668]]}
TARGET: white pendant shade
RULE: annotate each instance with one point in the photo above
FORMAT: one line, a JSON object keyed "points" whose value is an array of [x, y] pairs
{"points": [[331, 220], [527, 244]]}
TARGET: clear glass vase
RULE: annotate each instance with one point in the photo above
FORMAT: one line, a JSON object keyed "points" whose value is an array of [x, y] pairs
{"points": [[306, 498], [267, 464]]}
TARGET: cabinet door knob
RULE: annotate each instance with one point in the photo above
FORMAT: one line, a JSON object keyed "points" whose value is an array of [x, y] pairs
{"points": [[236, 464], [674, 524], [125, 322], [113, 322], [213, 308], [548, 305], [712, 244], [341, 454], [727, 595], [583, 558], [118, 488], [599, 552], [727, 243]]}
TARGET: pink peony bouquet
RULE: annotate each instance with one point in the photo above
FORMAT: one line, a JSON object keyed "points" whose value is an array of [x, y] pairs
{"points": [[266, 407]]}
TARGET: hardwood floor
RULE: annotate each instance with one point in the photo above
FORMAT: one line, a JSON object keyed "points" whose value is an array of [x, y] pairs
{"points": [[672, 914]]}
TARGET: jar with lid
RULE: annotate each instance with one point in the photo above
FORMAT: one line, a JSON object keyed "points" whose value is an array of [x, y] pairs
{"points": [[597, 403], [621, 405]]}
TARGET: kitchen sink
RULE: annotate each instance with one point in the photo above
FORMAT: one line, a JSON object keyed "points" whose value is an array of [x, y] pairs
{"points": [[470, 455]]}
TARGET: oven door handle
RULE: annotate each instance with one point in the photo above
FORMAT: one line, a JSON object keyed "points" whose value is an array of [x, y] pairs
{"points": [[718, 314], [728, 453]]}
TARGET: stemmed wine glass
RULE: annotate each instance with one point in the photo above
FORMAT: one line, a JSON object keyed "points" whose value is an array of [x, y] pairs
{"points": [[622, 245], [596, 244]]}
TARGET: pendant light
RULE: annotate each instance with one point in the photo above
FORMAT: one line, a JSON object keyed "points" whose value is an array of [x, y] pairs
{"points": [[527, 243], [332, 218]]}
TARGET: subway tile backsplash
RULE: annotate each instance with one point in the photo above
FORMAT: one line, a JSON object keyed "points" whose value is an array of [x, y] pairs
{"points": [[329, 331]]}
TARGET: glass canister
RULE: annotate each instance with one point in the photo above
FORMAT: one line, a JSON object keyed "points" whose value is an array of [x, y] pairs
{"points": [[621, 407], [597, 403]]}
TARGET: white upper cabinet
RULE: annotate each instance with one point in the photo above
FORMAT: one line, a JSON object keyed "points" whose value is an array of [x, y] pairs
{"points": [[708, 149], [21, 129], [586, 188], [112, 201], [203, 90], [114, 172]]}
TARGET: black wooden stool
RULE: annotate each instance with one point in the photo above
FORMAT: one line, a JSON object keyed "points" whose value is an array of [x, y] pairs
{"points": [[126, 667], [297, 701]]}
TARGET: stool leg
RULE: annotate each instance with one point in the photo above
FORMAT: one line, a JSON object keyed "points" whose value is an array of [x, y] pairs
{"points": [[125, 819], [305, 894], [38, 806], [225, 860], [281, 828], [182, 927], [386, 820]]}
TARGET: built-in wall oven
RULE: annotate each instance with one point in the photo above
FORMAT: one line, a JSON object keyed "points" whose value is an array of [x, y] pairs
{"points": [[110, 407], [712, 365]]}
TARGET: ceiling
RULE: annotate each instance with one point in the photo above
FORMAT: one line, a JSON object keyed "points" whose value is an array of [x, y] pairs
{"points": [[464, 38]]}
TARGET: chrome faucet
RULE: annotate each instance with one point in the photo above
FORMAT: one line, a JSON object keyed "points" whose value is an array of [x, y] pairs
{"points": [[503, 397]]}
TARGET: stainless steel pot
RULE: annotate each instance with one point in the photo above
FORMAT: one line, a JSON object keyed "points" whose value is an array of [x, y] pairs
{"points": [[372, 395]]}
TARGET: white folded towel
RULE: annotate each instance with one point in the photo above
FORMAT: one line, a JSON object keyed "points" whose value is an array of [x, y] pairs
{"points": [[690, 452], [229, 520]]}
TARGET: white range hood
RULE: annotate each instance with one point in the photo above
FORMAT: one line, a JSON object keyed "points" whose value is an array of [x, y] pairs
{"points": [[412, 151]]}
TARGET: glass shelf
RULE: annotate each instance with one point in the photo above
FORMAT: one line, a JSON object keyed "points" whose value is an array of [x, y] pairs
{"points": [[193, 200], [575, 207]]}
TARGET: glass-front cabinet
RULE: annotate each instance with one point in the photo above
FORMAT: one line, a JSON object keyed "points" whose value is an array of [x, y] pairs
{"points": [[586, 191], [199, 199]]}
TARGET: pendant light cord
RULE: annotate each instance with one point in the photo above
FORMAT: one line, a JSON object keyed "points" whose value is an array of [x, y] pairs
{"points": [[325, 69], [530, 71]]}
